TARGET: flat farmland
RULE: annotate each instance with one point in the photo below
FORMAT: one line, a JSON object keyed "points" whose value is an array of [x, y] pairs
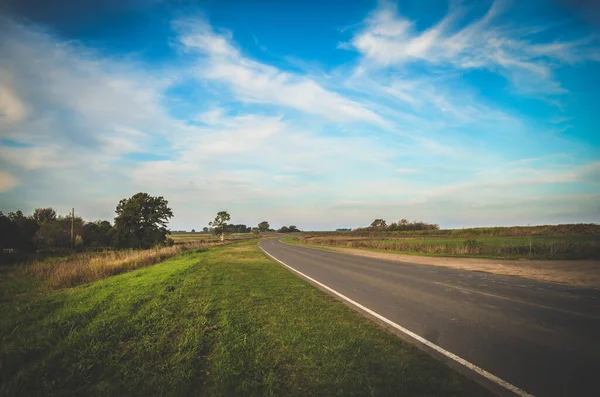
{"points": [[181, 238], [504, 247]]}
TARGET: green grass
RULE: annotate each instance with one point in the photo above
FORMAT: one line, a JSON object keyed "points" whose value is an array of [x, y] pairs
{"points": [[228, 321]]}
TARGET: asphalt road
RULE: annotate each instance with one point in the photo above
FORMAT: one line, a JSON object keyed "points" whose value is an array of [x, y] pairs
{"points": [[543, 338]]}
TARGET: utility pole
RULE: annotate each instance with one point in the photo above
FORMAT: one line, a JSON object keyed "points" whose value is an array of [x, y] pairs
{"points": [[72, 227]]}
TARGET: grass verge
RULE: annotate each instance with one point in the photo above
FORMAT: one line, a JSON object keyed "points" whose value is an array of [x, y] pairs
{"points": [[224, 322]]}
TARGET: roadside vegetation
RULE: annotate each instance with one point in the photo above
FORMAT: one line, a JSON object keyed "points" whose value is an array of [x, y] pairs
{"points": [[576, 241], [422, 229], [87, 267], [221, 321]]}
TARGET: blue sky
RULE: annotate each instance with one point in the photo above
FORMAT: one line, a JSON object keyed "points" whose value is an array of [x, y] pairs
{"points": [[317, 114]]}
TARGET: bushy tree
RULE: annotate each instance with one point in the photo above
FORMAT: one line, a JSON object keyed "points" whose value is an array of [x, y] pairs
{"points": [[26, 229], [9, 233], [56, 233], [44, 215], [288, 229], [220, 224], [97, 234], [141, 221], [379, 224], [263, 226], [241, 228]]}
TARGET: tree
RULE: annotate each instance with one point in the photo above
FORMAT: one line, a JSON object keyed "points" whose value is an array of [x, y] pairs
{"points": [[193, 230], [56, 233], [263, 226], [25, 229], [379, 224], [44, 215], [8, 232], [97, 234], [220, 224], [141, 221], [205, 229], [288, 229], [231, 228]]}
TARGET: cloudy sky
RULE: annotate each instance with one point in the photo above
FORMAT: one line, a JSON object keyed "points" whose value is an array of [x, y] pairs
{"points": [[319, 114]]}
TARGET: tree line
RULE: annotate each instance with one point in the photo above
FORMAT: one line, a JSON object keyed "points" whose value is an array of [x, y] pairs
{"points": [[221, 227], [140, 222], [262, 227], [401, 225]]}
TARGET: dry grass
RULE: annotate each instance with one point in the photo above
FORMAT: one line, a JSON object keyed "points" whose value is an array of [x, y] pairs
{"points": [[534, 247], [83, 268]]}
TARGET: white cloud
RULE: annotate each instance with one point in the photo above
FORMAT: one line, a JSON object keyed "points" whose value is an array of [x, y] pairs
{"points": [[12, 110], [35, 157], [257, 82], [60, 80], [406, 170], [391, 40], [7, 181]]}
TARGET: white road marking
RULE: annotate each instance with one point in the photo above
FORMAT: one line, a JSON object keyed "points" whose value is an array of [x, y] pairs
{"points": [[460, 360]]}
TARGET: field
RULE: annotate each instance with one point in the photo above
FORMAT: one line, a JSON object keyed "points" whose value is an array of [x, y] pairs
{"points": [[217, 321], [208, 237], [486, 243]]}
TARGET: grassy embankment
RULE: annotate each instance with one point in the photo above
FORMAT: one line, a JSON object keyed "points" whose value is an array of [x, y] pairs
{"points": [[534, 242], [227, 321]]}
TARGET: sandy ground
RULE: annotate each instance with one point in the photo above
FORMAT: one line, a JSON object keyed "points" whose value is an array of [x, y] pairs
{"points": [[577, 273]]}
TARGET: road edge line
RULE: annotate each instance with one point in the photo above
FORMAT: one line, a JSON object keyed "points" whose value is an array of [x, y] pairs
{"points": [[489, 376]]}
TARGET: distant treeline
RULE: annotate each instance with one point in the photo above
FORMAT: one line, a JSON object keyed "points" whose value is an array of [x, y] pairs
{"points": [[241, 228], [574, 229], [380, 225], [288, 229]]}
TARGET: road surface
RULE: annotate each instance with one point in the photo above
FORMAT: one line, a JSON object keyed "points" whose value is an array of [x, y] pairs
{"points": [[540, 337]]}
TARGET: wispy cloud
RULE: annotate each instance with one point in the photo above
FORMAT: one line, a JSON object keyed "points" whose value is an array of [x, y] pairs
{"points": [[257, 82], [7, 181], [391, 40], [12, 109]]}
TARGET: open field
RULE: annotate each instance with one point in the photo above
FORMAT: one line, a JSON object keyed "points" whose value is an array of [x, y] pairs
{"points": [[571, 229], [208, 237], [505, 247], [227, 321]]}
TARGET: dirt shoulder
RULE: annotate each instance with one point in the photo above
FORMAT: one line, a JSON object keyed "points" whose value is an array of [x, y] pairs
{"points": [[577, 273]]}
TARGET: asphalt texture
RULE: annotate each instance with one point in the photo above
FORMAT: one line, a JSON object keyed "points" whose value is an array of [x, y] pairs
{"points": [[541, 337]]}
